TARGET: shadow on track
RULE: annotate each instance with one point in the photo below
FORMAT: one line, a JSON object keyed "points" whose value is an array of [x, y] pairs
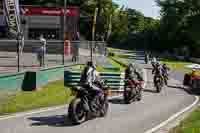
{"points": [[186, 89], [117, 101], [150, 91], [55, 121]]}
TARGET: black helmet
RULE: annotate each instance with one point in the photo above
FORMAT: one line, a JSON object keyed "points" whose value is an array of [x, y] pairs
{"points": [[157, 64], [90, 63]]}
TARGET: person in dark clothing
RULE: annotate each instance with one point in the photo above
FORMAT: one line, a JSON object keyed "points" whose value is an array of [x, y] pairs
{"points": [[91, 81], [132, 74], [76, 46], [157, 71]]}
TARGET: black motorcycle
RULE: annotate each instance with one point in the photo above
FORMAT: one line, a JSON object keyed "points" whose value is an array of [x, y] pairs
{"points": [[82, 109], [132, 91], [158, 83], [165, 78]]}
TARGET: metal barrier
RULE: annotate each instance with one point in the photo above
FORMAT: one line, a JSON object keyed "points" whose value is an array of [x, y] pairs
{"points": [[114, 80], [74, 52]]}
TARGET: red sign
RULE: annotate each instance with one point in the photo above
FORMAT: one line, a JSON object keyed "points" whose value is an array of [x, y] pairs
{"points": [[30, 11]]}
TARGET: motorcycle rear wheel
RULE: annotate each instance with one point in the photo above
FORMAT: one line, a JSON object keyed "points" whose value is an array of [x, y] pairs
{"points": [[158, 88], [104, 109]]}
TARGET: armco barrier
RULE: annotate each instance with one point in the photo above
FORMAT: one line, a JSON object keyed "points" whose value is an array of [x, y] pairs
{"points": [[30, 80], [114, 80], [11, 82], [37, 79]]}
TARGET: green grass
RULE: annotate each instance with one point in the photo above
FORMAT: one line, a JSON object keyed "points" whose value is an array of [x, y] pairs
{"points": [[78, 67], [99, 67], [117, 63], [110, 49], [190, 124], [50, 95], [176, 65]]}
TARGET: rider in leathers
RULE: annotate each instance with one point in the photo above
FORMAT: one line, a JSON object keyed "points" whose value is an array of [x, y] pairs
{"points": [[131, 73], [90, 80], [154, 62], [157, 71], [165, 70]]}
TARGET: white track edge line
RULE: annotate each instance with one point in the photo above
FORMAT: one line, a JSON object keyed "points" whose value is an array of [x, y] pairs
{"points": [[173, 117]]}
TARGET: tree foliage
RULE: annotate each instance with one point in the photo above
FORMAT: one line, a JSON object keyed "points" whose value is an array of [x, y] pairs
{"points": [[179, 23]]}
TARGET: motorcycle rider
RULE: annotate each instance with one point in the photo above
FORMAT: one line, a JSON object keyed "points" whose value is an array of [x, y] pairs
{"points": [[146, 58], [153, 62], [157, 71], [131, 73], [90, 80], [165, 70]]}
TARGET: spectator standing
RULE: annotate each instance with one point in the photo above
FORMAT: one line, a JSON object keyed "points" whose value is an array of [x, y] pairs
{"points": [[42, 50], [76, 46]]}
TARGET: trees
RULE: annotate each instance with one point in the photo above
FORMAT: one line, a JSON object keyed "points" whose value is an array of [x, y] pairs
{"points": [[179, 22], [117, 24]]}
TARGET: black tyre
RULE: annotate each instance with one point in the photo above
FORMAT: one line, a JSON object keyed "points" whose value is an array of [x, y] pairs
{"points": [[158, 88], [166, 81], [76, 112], [186, 79], [104, 109], [127, 97], [139, 97]]}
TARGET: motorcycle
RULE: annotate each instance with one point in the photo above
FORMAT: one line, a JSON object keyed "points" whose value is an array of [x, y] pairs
{"points": [[81, 109], [158, 83], [132, 91], [165, 78]]}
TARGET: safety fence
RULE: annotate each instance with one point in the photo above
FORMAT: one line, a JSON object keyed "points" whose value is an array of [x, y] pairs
{"points": [[114, 80], [57, 52]]}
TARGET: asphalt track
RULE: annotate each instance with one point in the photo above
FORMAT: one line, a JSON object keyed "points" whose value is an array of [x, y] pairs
{"points": [[137, 117]]}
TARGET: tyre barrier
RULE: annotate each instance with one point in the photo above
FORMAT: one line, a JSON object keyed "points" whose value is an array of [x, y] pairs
{"points": [[114, 80]]}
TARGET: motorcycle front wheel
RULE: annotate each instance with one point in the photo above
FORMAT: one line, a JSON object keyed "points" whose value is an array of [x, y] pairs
{"points": [[76, 112], [158, 88], [127, 97]]}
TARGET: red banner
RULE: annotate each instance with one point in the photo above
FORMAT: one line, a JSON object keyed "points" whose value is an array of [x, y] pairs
{"points": [[30, 11]]}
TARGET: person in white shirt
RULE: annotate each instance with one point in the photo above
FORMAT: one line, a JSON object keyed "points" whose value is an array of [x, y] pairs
{"points": [[42, 52], [90, 80]]}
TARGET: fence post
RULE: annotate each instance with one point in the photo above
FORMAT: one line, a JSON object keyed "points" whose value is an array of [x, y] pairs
{"points": [[91, 51], [18, 65]]}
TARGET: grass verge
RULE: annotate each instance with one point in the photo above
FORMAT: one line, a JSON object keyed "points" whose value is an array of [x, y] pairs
{"points": [[115, 62], [179, 65], [176, 65], [50, 95], [190, 125]]}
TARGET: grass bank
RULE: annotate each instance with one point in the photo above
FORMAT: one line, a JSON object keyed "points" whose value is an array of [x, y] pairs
{"points": [[50, 95], [179, 65], [190, 125], [176, 65]]}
